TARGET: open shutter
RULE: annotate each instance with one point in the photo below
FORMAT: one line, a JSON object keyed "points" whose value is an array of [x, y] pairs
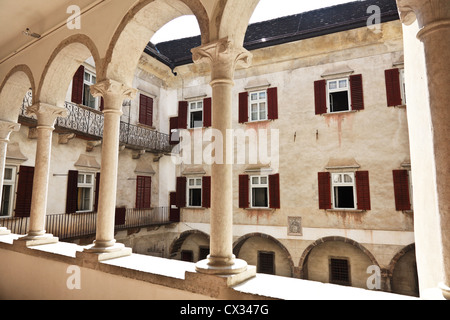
{"points": [[363, 190], [272, 100], [181, 192], [174, 210], [243, 107], [77, 86], [24, 191], [207, 112], [97, 191], [120, 216], [393, 91], [182, 114], [145, 110], [320, 96], [324, 190], [357, 92], [102, 104], [401, 189], [206, 192], [72, 192], [174, 134], [244, 191], [274, 191]]}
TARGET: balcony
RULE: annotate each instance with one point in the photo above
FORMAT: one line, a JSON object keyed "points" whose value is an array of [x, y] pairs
{"points": [[87, 123]]}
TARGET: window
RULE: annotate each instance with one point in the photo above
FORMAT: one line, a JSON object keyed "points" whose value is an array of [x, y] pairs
{"points": [[143, 192], [403, 190], [145, 110], [340, 271], [395, 87], [194, 192], [403, 86], [266, 262], [258, 105], [338, 95], [85, 192], [343, 186], [259, 187], [9, 181], [89, 80], [195, 114]]}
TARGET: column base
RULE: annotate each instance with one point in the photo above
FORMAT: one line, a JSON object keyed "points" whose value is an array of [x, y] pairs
{"points": [[237, 266], [4, 231], [99, 253], [38, 240], [445, 291]]}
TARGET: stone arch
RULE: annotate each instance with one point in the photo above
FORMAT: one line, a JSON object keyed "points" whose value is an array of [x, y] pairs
{"points": [[13, 90], [62, 65], [176, 245], [409, 284], [237, 246], [318, 242], [137, 28]]}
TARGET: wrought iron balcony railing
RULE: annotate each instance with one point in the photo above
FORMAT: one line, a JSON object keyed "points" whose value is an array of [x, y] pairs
{"points": [[89, 123]]}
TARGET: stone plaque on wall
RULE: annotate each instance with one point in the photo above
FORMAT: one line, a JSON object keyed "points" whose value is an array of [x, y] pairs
{"points": [[295, 226]]}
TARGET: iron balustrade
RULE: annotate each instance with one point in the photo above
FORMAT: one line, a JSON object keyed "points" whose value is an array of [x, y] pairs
{"points": [[76, 225]]}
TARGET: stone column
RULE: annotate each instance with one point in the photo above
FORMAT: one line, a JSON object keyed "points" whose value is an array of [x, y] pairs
{"points": [[46, 116], [433, 18], [113, 94], [6, 128], [222, 57]]}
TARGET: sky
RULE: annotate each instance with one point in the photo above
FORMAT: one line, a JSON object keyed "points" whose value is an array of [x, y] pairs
{"points": [[186, 26]]}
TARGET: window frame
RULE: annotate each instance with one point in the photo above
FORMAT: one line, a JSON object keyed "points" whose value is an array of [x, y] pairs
{"points": [[260, 268], [343, 184], [259, 101], [86, 185], [402, 85], [266, 186], [190, 112], [347, 282], [196, 187], [89, 83], [12, 183], [330, 91]]}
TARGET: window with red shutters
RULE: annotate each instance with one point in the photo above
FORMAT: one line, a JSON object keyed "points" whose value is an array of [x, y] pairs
{"points": [[393, 89], [143, 192], [24, 191], [145, 110], [207, 112], [363, 190], [243, 107], [182, 114], [324, 190], [244, 191], [272, 101], [72, 192], [77, 86], [357, 92], [206, 192], [181, 192], [274, 191], [402, 190], [320, 96]]}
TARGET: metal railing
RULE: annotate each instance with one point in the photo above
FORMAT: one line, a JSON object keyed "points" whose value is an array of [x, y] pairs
{"points": [[72, 226]]}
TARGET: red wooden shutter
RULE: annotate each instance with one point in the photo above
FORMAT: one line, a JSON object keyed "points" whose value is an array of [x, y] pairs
{"points": [[401, 189], [357, 92], [174, 212], [320, 96], [244, 191], [24, 191], [207, 112], [393, 91], [182, 114], [97, 191], [174, 135], [72, 192], [181, 192], [102, 104], [143, 192], [363, 190], [120, 216], [145, 110], [324, 190], [77, 86], [272, 100], [243, 107], [274, 191], [206, 192]]}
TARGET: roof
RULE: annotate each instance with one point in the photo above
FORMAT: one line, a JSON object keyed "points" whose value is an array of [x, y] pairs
{"points": [[286, 29]]}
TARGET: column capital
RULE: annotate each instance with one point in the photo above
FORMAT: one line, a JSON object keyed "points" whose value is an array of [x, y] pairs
{"points": [[6, 127], [46, 113], [112, 89], [425, 11], [223, 57]]}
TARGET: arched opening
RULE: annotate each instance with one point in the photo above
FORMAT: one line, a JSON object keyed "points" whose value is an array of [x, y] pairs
{"points": [[403, 268], [268, 254], [190, 246]]}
